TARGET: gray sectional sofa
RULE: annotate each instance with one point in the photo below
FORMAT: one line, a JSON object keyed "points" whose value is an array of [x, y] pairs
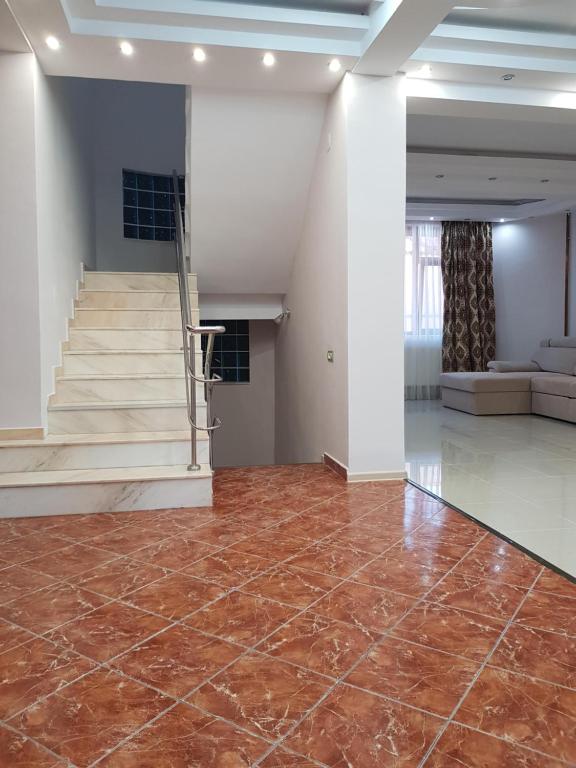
{"points": [[545, 385]]}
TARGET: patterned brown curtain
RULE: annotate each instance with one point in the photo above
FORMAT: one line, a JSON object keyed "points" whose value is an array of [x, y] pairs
{"points": [[469, 336]]}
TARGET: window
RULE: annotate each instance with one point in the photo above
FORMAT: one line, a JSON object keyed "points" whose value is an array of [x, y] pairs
{"points": [[149, 205], [231, 357], [423, 298]]}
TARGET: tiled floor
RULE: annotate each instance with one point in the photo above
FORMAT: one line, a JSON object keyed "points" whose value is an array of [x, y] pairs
{"points": [[516, 474], [300, 622]]}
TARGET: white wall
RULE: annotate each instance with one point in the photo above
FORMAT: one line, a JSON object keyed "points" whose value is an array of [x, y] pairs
{"points": [[250, 162], [20, 400], [247, 435], [65, 209], [312, 394], [529, 260], [140, 126]]}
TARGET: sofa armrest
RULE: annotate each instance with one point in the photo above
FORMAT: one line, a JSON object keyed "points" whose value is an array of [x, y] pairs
{"points": [[512, 366]]}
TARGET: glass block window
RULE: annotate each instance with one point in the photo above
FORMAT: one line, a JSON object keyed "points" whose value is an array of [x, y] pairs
{"points": [[149, 205], [231, 357]]}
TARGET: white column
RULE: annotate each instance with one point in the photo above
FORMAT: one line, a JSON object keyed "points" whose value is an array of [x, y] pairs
{"points": [[376, 188]]}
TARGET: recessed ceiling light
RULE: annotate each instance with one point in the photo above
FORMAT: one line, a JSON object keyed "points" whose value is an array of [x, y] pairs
{"points": [[502, 221], [335, 65], [53, 43], [126, 48], [508, 76], [544, 181], [431, 218], [492, 178], [199, 54], [424, 71], [439, 175], [269, 59]]}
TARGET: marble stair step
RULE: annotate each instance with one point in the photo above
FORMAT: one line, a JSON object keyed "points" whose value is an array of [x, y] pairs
{"points": [[158, 319], [111, 339], [117, 489], [133, 299], [135, 281], [100, 451], [126, 387], [129, 361], [138, 416]]}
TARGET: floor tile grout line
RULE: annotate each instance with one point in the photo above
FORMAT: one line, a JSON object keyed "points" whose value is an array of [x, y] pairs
{"points": [[68, 763], [483, 666]]}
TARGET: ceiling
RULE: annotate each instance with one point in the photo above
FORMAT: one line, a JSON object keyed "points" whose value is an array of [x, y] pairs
{"points": [[455, 56], [11, 38]]}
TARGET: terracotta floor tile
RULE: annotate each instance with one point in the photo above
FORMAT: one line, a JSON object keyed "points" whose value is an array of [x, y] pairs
{"points": [[174, 596], [399, 576], [331, 559], [527, 712], [260, 515], [272, 546], [241, 618], [175, 553], [363, 541], [91, 716], [177, 660], [308, 526], [49, 607], [229, 568], [222, 533], [34, 670], [25, 548], [414, 674], [368, 608], [12, 636], [344, 510], [129, 538], [461, 747], [79, 527], [438, 554], [356, 728], [490, 598], [17, 751], [193, 517], [282, 759], [450, 630], [324, 645], [292, 586], [17, 581], [457, 524], [547, 611], [71, 561], [547, 655], [558, 585], [382, 524], [119, 577], [108, 631], [186, 738], [261, 694], [500, 563]]}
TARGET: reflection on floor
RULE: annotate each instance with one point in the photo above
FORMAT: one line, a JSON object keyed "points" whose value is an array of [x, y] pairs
{"points": [[516, 474], [300, 622]]}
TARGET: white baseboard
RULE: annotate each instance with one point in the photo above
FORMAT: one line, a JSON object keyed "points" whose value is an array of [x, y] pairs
{"points": [[362, 477]]}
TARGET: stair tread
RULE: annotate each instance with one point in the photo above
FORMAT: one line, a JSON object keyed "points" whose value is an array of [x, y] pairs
{"points": [[125, 352], [97, 438], [111, 475], [118, 376], [113, 272], [118, 404]]}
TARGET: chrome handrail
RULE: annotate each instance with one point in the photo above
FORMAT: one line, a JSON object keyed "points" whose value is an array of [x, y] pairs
{"points": [[189, 334]]}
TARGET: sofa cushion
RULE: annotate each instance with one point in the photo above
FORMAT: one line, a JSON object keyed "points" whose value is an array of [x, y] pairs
{"points": [[564, 386], [487, 382], [556, 359]]}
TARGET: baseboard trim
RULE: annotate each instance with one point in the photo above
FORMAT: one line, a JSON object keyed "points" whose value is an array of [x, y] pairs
{"points": [[25, 433], [361, 477]]}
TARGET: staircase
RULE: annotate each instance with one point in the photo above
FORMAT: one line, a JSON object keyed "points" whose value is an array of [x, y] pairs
{"points": [[118, 434]]}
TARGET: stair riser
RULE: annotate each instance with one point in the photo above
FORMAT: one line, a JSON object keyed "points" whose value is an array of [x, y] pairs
{"points": [[90, 339], [122, 390], [132, 300], [134, 281], [124, 364], [130, 318], [101, 456], [98, 420], [105, 497]]}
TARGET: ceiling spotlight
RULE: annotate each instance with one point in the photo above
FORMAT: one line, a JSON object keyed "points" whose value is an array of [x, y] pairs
{"points": [[53, 43], [502, 221], [507, 77], [199, 54], [335, 65], [439, 175], [492, 178], [126, 48], [424, 71], [268, 59], [431, 218]]}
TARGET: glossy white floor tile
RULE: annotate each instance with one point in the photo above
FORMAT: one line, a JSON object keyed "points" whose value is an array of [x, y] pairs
{"points": [[516, 474]]}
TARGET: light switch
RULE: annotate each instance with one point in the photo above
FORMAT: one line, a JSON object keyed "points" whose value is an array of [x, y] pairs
{"points": [[330, 355]]}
